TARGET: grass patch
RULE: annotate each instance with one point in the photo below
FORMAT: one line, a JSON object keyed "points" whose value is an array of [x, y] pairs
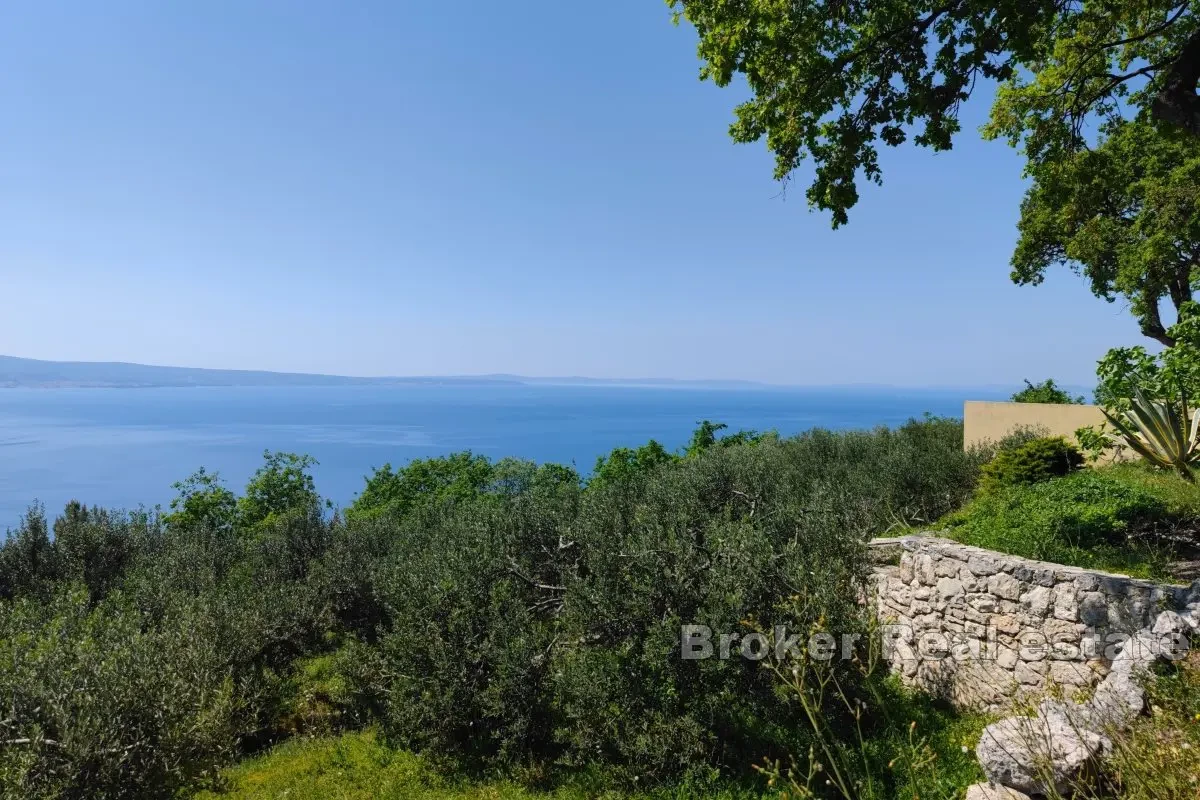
{"points": [[359, 766], [949, 736], [1110, 519], [1181, 498]]}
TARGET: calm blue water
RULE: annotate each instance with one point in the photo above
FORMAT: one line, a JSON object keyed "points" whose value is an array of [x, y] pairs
{"points": [[125, 447]]}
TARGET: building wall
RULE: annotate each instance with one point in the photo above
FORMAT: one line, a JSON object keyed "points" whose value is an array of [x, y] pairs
{"points": [[986, 421]]}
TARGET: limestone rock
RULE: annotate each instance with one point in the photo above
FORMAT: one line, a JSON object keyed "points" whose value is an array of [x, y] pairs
{"points": [[1066, 603], [1005, 585], [949, 587], [983, 603], [1093, 609], [1059, 630], [1136, 655], [1037, 600], [1039, 576], [1037, 754], [1006, 657], [1117, 700], [991, 791], [925, 569], [947, 568], [1191, 617], [1070, 673], [1170, 622], [983, 565], [1031, 674]]}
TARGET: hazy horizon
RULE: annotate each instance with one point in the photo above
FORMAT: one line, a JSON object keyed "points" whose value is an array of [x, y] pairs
{"points": [[626, 379]]}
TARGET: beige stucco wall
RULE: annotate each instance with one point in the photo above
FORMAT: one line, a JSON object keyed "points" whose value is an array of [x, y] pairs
{"points": [[985, 421]]}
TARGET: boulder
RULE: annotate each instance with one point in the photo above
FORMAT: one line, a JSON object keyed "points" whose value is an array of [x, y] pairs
{"points": [[1137, 654], [1037, 755], [1117, 700], [1169, 622]]}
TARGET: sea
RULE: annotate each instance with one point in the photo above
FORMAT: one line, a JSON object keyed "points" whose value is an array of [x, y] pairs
{"points": [[124, 448]]}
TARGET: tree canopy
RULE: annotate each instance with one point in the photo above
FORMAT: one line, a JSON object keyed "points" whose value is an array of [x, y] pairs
{"points": [[1045, 392], [832, 79], [1125, 215]]}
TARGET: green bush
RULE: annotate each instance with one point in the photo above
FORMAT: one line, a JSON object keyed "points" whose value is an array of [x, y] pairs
{"points": [[542, 623], [94, 705], [1091, 518], [1032, 462], [495, 614], [1022, 434]]}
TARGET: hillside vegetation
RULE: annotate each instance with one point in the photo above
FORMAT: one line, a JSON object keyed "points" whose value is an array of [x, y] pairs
{"points": [[486, 629]]}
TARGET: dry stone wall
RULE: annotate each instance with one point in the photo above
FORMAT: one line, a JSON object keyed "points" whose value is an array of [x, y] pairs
{"points": [[984, 629]]}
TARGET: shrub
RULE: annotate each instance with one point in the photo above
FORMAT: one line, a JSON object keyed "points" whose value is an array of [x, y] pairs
{"points": [[28, 567], [1022, 434], [1032, 462], [434, 480], [713, 541], [891, 478], [93, 705], [545, 623], [460, 664], [1095, 442], [281, 485], [498, 614]]}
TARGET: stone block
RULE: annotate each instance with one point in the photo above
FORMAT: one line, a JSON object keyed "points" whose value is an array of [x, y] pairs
{"points": [[1066, 602], [1070, 673], [947, 568], [1037, 755], [1093, 609], [983, 602], [983, 565], [1037, 600], [925, 571], [1038, 576], [1006, 586], [1006, 657], [1031, 672], [948, 588]]}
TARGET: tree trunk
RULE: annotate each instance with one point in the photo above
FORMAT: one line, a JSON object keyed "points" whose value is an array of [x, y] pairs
{"points": [[1177, 101]]}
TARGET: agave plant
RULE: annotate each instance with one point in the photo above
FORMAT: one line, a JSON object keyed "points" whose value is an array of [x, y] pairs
{"points": [[1160, 432]]}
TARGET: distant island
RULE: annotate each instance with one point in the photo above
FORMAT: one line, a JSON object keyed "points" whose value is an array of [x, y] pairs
{"points": [[36, 374]]}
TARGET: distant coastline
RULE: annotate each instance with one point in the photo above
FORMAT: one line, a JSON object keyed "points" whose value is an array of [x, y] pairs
{"points": [[30, 373]]}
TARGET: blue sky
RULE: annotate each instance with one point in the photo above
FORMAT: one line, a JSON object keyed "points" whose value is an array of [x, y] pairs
{"points": [[537, 187]]}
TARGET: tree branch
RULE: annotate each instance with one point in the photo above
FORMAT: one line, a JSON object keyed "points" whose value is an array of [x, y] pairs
{"points": [[1177, 102], [1151, 325], [1157, 29], [516, 570]]}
